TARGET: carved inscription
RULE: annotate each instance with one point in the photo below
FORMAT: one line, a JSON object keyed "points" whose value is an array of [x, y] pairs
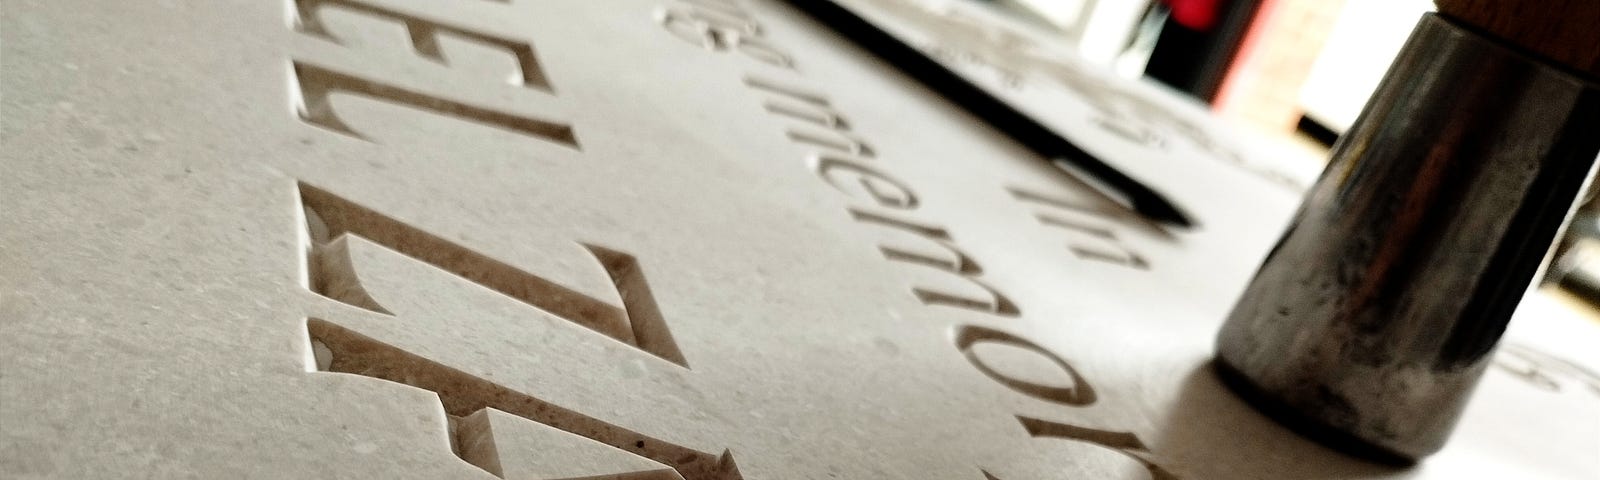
{"points": [[537, 451], [331, 218], [952, 261], [1088, 228], [424, 34], [1126, 444], [839, 156], [331, 221], [315, 85], [721, 26], [1133, 132], [848, 164], [828, 130], [466, 398], [1079, 394], [1545, 371], [1013, 58], [843, 160]]}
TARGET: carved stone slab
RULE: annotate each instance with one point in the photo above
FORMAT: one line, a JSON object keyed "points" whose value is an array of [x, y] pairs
{"points": [[697, 239]]}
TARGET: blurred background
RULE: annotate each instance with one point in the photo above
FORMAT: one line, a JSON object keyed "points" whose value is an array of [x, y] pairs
{"points": [[1286, 66], [1296, 69]]}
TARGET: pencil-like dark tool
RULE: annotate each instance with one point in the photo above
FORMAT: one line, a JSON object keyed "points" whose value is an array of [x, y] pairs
{"points": [[994, 111]]}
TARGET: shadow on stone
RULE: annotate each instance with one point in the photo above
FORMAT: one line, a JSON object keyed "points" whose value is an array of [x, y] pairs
{"points": [[1210, 432]]}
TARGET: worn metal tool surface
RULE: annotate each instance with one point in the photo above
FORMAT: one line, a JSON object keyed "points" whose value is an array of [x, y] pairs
{"points": [[1370, 323]]}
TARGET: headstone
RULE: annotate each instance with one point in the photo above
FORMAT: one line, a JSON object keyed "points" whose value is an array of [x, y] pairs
{"points": [[697, 239]]}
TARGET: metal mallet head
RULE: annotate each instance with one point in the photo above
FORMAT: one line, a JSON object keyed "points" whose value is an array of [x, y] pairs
{"points": [[1369, 324]]}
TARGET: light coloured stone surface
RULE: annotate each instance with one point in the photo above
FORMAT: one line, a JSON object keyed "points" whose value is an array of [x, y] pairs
{"points": [[210, 270]]}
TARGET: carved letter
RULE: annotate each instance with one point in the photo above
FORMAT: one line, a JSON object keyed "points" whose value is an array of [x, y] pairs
{"points": [[959, 264], [873, 185], [638, 323], [1085, 240], [684, 26], [814, 109], [466, 398], [316, 84], [1121, 442], [424, 35], [332, 224], [716, 26], [1078, 395]]}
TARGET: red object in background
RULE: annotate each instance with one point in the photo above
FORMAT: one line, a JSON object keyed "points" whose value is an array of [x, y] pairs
{"points": [[1197, 15], [1262, 86]]}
